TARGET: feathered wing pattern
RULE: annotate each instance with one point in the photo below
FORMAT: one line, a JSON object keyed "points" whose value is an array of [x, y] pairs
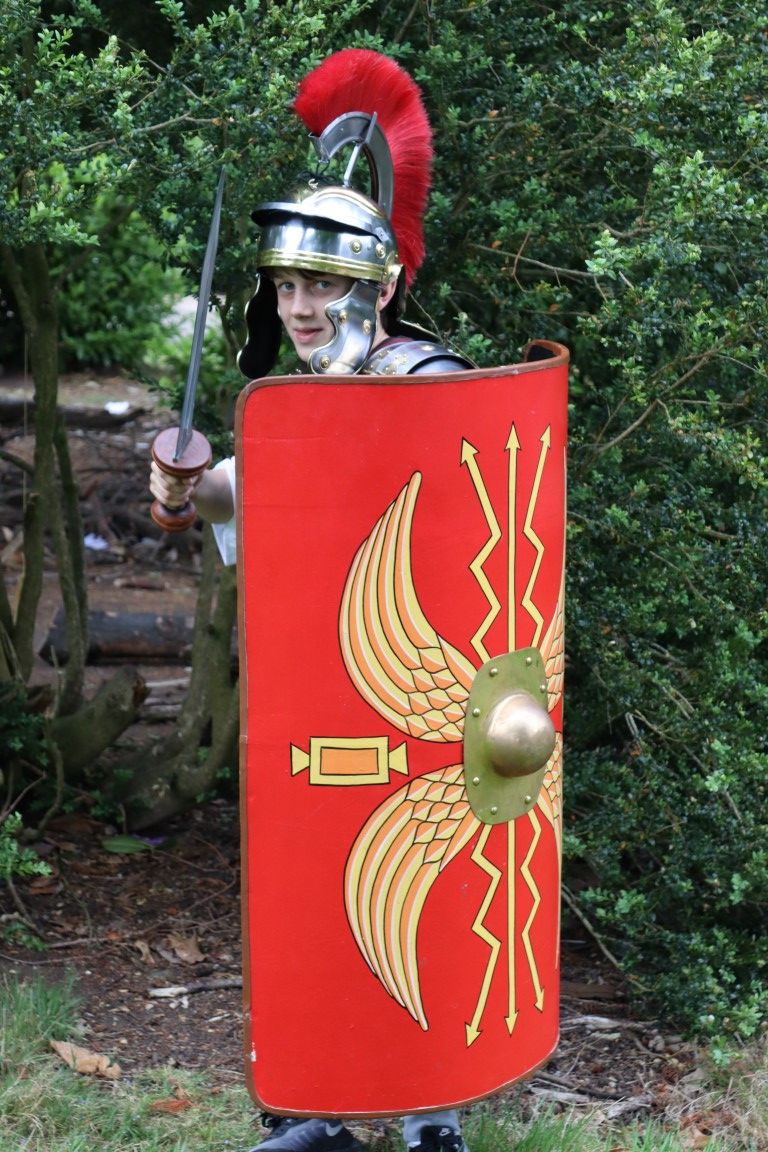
{"points": [[419, 683], [394, 862], [360, 80], [410, 675], [552, 649], [553, 653]]}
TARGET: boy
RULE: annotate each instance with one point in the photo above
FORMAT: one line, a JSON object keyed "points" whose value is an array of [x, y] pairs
{"points": [[334, 266]]}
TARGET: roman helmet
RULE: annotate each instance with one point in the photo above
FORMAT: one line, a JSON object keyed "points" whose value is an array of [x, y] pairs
{"points": [[364, 102]]}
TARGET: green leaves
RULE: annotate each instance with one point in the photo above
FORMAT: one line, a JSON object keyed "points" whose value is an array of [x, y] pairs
{"points": [[617, 201], [15, 859], [125, 845]]}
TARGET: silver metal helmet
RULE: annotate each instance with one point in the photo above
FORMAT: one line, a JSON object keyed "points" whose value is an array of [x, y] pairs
{"points": [[332, 227]]}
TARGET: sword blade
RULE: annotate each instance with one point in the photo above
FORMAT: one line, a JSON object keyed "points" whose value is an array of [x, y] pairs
{"points": [[203, 301]]}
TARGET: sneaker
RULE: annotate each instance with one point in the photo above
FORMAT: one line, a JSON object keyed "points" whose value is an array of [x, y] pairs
{"points": [[295, 1134], [434, 1139]]}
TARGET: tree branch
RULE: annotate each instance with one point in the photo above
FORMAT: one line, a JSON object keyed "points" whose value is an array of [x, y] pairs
{"points": [[571, 273], [574, 907], [656, 403]]}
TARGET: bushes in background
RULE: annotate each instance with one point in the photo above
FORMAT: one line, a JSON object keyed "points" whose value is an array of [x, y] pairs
{"points": [[601, 179]]}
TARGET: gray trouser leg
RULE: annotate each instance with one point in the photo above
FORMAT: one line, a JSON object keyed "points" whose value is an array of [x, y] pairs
{"points": [[412, 1125]]}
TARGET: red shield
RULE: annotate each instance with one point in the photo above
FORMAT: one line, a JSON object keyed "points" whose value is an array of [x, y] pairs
{"points": [[396, 534]]}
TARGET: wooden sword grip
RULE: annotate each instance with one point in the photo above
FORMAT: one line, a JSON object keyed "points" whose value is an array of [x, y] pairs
{"points": [[195, 458]]}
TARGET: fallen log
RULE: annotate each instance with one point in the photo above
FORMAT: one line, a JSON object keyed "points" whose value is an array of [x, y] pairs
{"points": [[14, 409], [116, 635]]}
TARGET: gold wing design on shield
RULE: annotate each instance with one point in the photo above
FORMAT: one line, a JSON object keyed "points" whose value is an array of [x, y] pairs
{"points": [[410, 675], [420, 683], [552, 649], [398, 855]]}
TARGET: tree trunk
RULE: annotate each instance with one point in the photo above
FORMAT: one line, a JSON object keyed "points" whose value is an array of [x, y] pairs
{"points": [[81, 737], [67, 529], [53, 504], [29, 277], [170, 776]]}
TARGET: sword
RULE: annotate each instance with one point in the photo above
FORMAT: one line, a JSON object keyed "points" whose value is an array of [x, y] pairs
{"points": [[191, 452]]}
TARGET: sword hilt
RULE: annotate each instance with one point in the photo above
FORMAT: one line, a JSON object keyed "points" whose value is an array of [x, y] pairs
{"points": [[195, 458]]}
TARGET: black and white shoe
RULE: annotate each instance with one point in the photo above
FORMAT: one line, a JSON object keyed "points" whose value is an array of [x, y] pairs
{"points": [[434, 1139], [295, 1134]]}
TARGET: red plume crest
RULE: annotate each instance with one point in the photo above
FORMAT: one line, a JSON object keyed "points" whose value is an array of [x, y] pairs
{"points": [[360, 80]]}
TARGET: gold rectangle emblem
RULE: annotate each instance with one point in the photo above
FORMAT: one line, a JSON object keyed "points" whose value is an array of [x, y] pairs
{"points": [[341, 760]]}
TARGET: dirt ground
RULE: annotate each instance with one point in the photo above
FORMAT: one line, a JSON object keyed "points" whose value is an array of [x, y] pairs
{"points": [[152, 938]]}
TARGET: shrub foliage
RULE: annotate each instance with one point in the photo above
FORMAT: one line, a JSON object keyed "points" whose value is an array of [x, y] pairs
{"points": [[601, 180]]}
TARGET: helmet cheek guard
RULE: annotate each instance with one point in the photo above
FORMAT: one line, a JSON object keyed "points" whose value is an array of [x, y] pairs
{"points": [[354, 321]]}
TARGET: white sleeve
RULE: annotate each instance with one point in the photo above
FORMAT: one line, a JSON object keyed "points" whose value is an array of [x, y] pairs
{"points": [[225, 534]]}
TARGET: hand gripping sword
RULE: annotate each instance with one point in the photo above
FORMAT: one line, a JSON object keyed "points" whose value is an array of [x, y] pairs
{"points": [[191, 452]]}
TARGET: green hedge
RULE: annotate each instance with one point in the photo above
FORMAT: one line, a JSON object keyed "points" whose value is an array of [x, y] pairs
{"points": [[601, 179]]}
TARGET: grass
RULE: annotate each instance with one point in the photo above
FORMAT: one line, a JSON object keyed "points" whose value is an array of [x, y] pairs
{"points": [[564, 1133], [46, 1107], [740, 1091], [31, 1014]]}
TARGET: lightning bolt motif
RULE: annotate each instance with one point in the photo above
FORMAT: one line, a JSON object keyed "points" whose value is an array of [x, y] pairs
{"points": [[512, 1013], [468, 457], [513, 448], [478, 927], [530, 535], [399, 664], [525, 872]]}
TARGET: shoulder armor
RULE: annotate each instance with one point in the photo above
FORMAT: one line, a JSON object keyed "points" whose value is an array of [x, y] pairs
{"points": [[405, 357]]}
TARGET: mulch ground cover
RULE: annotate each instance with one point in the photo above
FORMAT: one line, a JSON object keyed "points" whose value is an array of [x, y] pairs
{"points": [[152, 939]]}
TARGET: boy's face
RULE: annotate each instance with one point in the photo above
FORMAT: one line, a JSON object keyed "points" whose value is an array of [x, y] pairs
{"points": [[301, 300]]}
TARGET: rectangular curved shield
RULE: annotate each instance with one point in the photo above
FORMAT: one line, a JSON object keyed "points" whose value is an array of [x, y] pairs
{"points": [[398, 538]]}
